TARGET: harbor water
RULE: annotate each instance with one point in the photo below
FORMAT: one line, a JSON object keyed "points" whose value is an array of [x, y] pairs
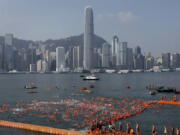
{"points": [[55, 87]]}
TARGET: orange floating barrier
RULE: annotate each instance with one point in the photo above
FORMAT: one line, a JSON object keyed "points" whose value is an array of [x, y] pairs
{"points": [[36, 128], [169, 102]]}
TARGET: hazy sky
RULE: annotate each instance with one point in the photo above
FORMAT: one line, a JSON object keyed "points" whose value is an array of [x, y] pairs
{"points": [[152, 24]]}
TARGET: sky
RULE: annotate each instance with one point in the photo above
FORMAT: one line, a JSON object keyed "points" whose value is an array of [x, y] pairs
{"points": [[152, 24]]}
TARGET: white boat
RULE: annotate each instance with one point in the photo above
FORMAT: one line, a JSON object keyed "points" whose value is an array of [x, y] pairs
{"points": [[91, 77]]}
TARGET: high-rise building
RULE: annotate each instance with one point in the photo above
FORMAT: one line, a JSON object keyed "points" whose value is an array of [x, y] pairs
{"points": [[9, 39], [77, 58], [149, 63], [176, 60], [60, 59], [97, 57], [32, 68], [1, 55], [88, 38], [166, 60], [130, 58], [106, 55], [52, 61], [137, 50], [114, 46], [8, 54], [39, 66], [139, 59], [122, 55]]}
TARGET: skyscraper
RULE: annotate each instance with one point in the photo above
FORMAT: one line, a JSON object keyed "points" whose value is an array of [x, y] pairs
{"points": [[175, 60], [122, 55], [115, 43], [60, 59], [139, 59], [76, 57], [105, 55], [9, 39], [8, 56], [129, 58], [166, 60], [88, 38]]}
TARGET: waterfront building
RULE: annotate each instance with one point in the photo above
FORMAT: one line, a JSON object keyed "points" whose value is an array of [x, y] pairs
{"points": [[8, 54], [9, 39], [106, 55], [45, 66], [69, 57], [129, 58], [114, 46], [149, 63], [176, 60], [137, 50], [60, 59], [52, 61], [39, 65], [139, 59], [88, 39], [32, 68], [166, 60], [77, 57], [122, 55], [1, 56]]}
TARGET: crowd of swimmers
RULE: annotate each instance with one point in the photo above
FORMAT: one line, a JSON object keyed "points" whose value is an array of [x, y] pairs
{"points": [[108, 127]]}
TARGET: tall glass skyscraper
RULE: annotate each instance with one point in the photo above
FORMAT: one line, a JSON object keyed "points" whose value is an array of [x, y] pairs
{"points": [[60, 59], [88, 38]]}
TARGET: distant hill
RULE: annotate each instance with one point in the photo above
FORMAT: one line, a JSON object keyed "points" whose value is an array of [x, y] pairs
{"points": [[18, 43], [72, 41], [52, 44]]}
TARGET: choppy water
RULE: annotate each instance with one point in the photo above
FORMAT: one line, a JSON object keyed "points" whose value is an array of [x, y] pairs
{"points": [[110, 85]]}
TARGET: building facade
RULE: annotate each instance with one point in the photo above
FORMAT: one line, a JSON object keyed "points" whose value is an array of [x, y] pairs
{"points": [[88, 39]]}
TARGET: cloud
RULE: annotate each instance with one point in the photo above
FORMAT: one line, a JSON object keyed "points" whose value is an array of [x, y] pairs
{"points": [[124, 17]]}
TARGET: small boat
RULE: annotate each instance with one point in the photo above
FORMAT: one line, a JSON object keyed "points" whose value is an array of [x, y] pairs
{"points": [[32, 91], [161, 89], [82, 75], [87, 91], [91, 86], [152, 92], [177, 91], [30, 86], [83, 88], [91, 77], [127, 86]]}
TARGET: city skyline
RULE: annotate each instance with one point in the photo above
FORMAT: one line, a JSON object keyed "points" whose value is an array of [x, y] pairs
{"points": [[137, 24]]}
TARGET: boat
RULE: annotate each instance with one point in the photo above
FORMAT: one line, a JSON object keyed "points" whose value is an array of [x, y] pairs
{"points": [[161, 89], [127, 86], [152, 92], [30, 86], [177, 91], [165, 89], [91, 77], [91, 86], [32, 91], [82, 75], [87, 91], [83, 88]]}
